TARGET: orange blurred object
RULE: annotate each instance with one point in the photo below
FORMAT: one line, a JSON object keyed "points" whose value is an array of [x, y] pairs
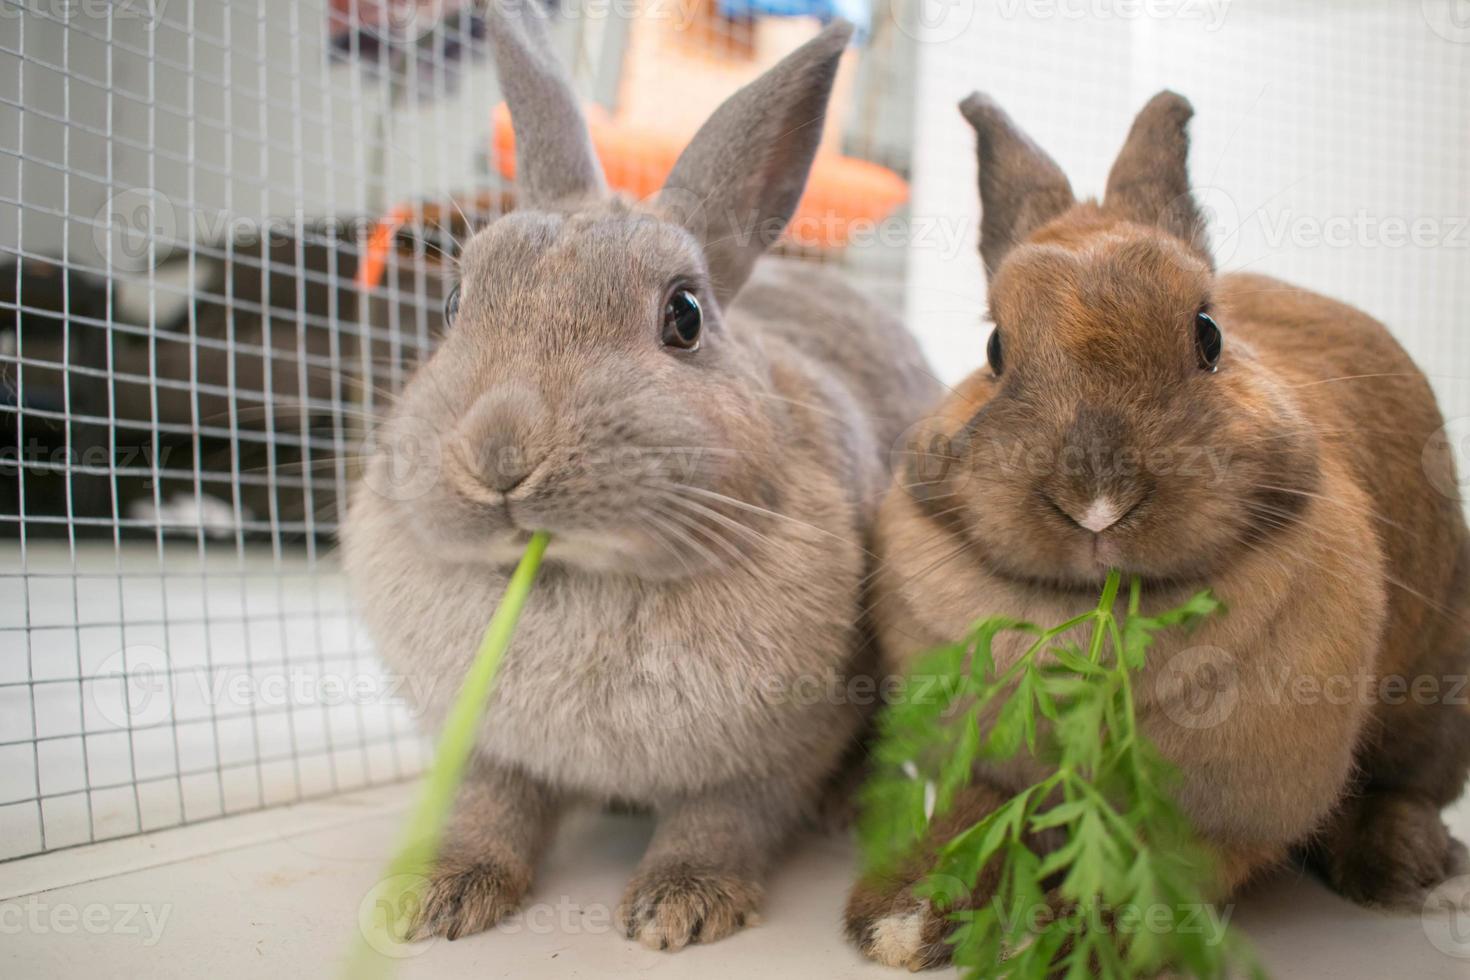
{"points": [[380, 243], [840, 192]]}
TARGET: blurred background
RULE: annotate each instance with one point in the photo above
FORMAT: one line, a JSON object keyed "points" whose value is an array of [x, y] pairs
{"points": [[226, 231]]}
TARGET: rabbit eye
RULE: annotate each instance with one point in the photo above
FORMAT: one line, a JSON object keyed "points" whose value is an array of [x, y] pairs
{"points": [[1208, 341], [994, 354], [683, 320], [451, 306]]}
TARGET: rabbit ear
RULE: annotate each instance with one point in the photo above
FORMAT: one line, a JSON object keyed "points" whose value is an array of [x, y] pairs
{"points": [[554, 157], [738, 181], [1149, 182], [1021, 188]]}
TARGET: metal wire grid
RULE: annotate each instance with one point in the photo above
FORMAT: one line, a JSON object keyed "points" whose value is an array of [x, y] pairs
{"points": [[103, 763], [187, 194]]}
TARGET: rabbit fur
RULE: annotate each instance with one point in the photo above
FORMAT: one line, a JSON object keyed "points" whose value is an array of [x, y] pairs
{"points": [[1304, 477], [689, 642]]}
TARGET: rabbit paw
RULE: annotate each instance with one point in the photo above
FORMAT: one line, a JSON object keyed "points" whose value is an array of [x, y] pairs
{"points": [[464, 897], [895, 927], [1398, 854], [670, 906], [1453, 893]]}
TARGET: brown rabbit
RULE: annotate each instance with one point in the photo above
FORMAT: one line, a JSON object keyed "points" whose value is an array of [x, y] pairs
{"points": [[1141, 412]]}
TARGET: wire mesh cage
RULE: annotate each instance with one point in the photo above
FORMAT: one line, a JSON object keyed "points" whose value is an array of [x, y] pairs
{"points": [[227, 234], [228, 228]]}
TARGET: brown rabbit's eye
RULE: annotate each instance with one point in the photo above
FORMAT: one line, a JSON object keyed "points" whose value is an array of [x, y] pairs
{"points": [[683, 320], [451, 306], [994, 355], [1208, 341]]}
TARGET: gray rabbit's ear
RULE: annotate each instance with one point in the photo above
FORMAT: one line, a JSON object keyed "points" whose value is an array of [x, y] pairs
{"points": [[740, 178], [1149, 182], [1021, 188], [554, 157]]}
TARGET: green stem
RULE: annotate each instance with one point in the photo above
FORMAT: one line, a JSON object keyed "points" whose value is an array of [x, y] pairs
{"points": [[1104, 614], [1042, 640], [1130, 742], [993, 688], [1108, 812], [424, 830]]}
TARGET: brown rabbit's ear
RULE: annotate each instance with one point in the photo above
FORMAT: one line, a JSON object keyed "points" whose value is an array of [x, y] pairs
{"points": [[1021, 188], [554, 156], [738, 181], [1149, 182]]}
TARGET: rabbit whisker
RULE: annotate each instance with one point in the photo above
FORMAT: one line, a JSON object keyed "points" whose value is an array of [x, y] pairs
{"points": [[1356, 377], [715, 515], [932, 539], [648, 522], [1434, 604], [691, 532], [1365, 511], [679, 538], [757, 509], [697, 527]]}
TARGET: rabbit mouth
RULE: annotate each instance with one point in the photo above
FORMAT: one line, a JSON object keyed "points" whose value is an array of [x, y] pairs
{"points": [[1104, 552], [1087, 575], [519, 538]]}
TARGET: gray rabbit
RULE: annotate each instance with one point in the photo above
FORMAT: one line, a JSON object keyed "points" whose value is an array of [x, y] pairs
{"points": [[706, 438]]}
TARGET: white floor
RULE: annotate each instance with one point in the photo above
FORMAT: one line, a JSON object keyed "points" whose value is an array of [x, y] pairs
{"points": [[278, 894]]}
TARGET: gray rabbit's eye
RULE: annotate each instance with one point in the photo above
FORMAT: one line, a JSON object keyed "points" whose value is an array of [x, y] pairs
{"points": [[683, 320], [451, 306], [1208, 341]]}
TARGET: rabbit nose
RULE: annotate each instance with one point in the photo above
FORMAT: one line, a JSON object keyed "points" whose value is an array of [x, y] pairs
{"points": [[501, 435], [1097, 515], [1100, 515], [506, 467]]}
